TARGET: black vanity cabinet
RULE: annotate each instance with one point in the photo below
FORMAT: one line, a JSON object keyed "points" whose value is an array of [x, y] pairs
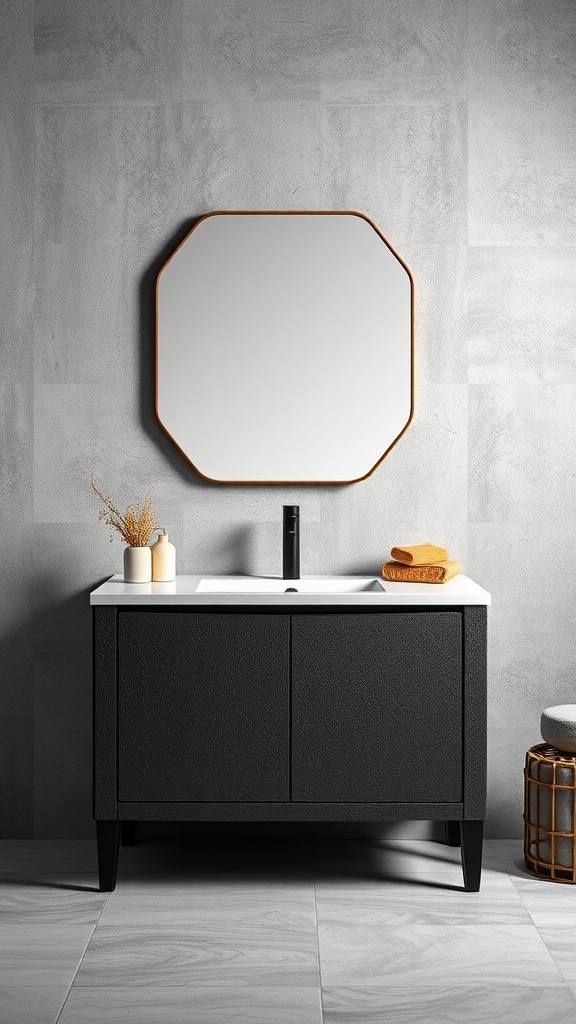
{"points": [[377, 707], [289, 714], [203, 707]]}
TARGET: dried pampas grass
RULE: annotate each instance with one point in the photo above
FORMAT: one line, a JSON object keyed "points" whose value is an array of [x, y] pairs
{"points": [[136, 526]]}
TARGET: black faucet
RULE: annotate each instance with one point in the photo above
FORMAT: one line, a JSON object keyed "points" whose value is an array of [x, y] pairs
{"points": [[291, 543]]}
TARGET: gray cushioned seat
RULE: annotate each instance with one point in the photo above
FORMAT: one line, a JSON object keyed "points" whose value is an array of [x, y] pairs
{"points": [[558, 727]]}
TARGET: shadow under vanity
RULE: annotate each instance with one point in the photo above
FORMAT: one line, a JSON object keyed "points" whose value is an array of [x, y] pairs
{"points": [[295, 707]]}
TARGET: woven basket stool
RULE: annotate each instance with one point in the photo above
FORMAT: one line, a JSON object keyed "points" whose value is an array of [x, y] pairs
{"points": [[550, 813]]}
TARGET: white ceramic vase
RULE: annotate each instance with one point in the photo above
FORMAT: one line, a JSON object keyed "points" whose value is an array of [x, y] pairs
{"points": [[137, 565]]}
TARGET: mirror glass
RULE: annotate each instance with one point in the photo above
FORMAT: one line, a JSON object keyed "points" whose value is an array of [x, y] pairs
{"points": [[284, 347]]}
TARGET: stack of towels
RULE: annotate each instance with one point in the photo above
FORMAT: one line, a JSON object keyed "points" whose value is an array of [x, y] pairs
{"points": [[420, 563]]}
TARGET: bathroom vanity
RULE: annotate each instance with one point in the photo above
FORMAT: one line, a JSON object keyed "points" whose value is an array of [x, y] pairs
{"points": [[218, 700]]}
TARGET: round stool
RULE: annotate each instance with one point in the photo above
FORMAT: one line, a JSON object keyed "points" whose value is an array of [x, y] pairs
{"points": [[550, 813], [558, 727]]}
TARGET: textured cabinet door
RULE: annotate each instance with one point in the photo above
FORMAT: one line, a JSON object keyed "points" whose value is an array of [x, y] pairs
{"points": [[377, 707], [203, 706]]}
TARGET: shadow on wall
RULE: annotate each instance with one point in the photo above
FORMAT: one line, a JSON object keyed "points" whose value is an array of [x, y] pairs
{"points": [[16, 726], [236, 550], [63, 711]]}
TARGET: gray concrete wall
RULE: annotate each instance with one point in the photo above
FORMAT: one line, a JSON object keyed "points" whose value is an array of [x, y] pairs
{"points": [[451, 124]]}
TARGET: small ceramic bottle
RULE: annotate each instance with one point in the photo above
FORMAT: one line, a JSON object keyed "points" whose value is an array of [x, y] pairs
{"points": [[163, 560]]}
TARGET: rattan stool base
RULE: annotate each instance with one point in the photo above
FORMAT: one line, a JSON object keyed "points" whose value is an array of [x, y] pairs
{"points": [[550, 813]]}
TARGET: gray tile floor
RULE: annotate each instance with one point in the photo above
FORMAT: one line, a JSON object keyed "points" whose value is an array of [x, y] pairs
{"points": [[298, 933]]}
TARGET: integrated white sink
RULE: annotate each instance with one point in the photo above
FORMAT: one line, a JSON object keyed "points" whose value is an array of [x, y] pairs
{"points": [[273, 585], [258, 591]]}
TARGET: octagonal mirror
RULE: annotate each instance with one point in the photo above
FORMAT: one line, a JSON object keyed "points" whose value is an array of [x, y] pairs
{"points": [[284, 347]]}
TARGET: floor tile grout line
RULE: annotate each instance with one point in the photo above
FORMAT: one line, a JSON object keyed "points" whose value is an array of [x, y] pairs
{"points": [[539, 932], [558, 967], [90, 937], [318, 949]]}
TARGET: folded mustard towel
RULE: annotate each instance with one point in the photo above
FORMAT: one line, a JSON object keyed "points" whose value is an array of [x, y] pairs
{"points": [[436, 573], [420, 554]]}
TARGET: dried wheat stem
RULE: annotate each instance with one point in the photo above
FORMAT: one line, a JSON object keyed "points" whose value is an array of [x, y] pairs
{"points": [[136, 526]]}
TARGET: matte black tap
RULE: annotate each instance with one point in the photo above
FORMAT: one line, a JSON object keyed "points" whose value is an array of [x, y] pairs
{"points": [[291, 543]]}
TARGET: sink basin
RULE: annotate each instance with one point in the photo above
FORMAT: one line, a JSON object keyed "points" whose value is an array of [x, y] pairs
{"points": [[273, 585]]}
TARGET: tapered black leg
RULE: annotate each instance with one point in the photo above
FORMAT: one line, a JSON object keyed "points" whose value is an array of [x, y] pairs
{"points": [[471, 834], [128, 833], [452, 833], [108, 838]]}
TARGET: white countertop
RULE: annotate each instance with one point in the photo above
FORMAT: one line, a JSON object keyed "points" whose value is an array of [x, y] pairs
{"points": [[460, 590]]}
